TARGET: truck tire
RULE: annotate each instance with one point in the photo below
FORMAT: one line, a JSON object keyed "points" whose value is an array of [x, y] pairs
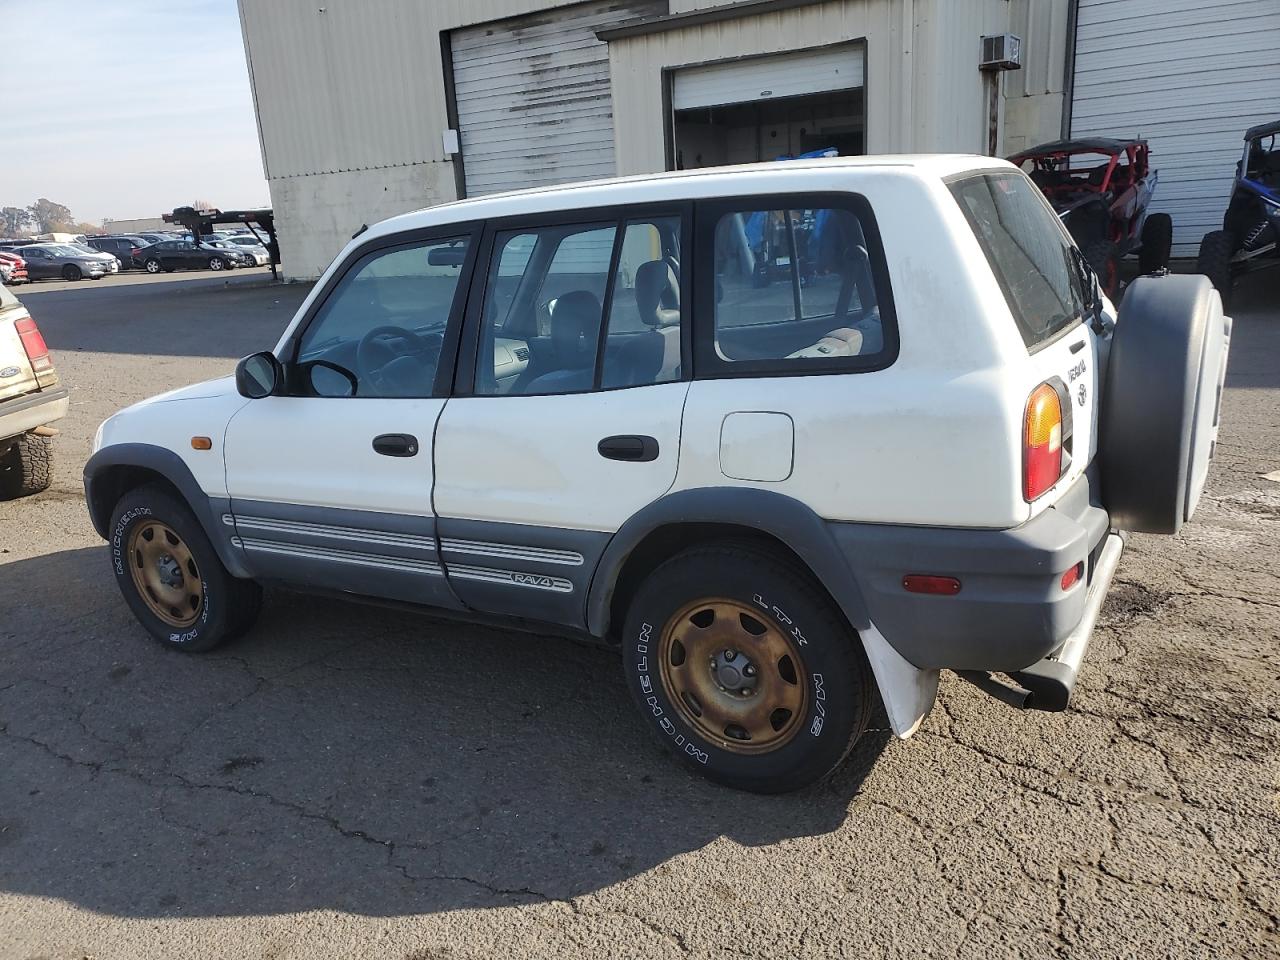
{"points": [[1103, 257], [1216, 250], [1162, 401], [1157, 243], [27, 468], [744, 670]]}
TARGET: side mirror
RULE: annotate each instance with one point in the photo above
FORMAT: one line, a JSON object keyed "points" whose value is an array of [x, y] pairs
{"points": [[259, 375]]}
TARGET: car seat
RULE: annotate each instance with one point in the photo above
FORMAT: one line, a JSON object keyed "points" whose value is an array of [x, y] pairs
{"points": [[654, 356], [575, 327]]}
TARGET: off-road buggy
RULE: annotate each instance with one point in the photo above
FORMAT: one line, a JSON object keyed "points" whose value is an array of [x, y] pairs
{"points": [[1101, 189], [1251, 226]]}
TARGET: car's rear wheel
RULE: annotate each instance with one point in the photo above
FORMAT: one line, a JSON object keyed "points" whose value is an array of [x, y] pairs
{"points": [[1162, 402], [72, 272], [151, 265], [1216, 250], [1157, 243], [216, 263], [26, 467], [1103, 257], [171, 576], [744, 670]]}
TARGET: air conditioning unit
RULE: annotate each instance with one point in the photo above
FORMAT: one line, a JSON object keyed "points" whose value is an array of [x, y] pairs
{"points": [[1001, 51]]}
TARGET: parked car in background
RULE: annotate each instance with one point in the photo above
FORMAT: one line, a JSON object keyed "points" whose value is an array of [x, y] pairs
{"points": [[1101, 189], [1250, 234], [251, 244], [124, 249], [13, 269], [111, 261], [773, 501], [170, 255], [246, 255], [54, 261], [30, 400], [156, 237]]}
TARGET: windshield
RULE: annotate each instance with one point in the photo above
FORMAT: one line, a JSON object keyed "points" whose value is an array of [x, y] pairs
{"points": [[1029, 252]]}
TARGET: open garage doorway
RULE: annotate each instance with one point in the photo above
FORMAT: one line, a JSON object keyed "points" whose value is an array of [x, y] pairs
{"points": [[764, 108]]}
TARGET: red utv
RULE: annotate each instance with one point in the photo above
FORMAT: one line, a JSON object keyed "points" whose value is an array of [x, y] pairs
{"points": [[1101, 189]]}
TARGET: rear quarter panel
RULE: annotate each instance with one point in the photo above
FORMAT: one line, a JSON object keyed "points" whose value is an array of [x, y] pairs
{"points": [[935, 438]]}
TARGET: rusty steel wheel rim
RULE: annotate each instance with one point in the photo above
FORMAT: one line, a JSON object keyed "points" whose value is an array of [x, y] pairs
{"points": [[733, 675], [165, 573]]}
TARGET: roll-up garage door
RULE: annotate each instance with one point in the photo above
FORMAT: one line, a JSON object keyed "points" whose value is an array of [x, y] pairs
{"points": [[769, 78], [533, 98], [1189, 76]]}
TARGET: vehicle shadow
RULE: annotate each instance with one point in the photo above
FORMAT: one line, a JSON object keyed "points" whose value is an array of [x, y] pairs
{"points": [[195, 316], [339, 757]]}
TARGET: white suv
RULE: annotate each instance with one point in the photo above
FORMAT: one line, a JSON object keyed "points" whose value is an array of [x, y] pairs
{"points": [[789, 434]]}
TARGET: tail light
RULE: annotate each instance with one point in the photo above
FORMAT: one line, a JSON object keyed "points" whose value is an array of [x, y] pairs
{"points": [[1042, 460], [33, 343]]}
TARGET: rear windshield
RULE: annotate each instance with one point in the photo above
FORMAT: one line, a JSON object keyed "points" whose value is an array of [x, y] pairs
{"points": [[1028, 251]]}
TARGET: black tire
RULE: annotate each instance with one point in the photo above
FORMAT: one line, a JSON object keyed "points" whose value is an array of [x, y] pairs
{"points": [[838, 686], [1103, 257], [27, 467], [217, 263], [1157, 243], [227, 607], [1161, 404], [152, 265], [72, 272], [1216, 250]]}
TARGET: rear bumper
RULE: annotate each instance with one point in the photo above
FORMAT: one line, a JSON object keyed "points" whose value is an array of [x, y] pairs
{"points": [[31, 410], [1011, 611]]}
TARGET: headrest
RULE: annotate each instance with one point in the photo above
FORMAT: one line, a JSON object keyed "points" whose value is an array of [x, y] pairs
{"points": [[574, 325], [658, 294]]}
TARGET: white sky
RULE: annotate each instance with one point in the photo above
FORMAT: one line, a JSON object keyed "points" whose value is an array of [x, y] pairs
{"points": [[126, 108]]}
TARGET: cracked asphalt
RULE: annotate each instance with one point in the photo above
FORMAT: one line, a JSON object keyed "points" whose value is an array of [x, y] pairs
{"points": [[348, 781]]}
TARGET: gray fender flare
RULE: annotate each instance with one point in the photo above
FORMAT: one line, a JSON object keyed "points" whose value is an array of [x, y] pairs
{"points": [[780, 516], [169, 465]]}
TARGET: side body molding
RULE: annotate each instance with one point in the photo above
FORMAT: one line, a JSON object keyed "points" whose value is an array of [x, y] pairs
{"points": [[100, 498], [775, 514]]}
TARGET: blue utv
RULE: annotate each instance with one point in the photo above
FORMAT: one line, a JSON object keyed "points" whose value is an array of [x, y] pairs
{"points": [[1251, 227]]}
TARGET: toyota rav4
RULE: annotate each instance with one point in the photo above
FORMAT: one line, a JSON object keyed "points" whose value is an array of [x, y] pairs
{"points": [[908, 443]]}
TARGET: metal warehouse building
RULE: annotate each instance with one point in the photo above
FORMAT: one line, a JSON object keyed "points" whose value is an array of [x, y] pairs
{"points": [[368, 108]]}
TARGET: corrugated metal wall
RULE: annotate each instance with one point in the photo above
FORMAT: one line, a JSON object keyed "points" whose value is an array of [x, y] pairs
{"points": [[1188, 75], [533, 96], [351, 103]]}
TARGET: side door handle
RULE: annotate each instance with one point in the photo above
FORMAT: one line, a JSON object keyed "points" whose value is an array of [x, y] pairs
{"points": [[634, 449], [396, 445]]}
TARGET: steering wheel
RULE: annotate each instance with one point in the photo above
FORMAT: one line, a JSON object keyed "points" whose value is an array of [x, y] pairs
{"points": [[373, 353]]}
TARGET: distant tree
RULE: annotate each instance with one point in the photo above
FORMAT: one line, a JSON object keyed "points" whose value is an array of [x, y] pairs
{"points": [[13, 219], [86, 228], [49, 217]]}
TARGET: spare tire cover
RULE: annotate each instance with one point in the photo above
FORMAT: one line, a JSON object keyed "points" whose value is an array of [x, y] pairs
{"points": [[1162, 401]]}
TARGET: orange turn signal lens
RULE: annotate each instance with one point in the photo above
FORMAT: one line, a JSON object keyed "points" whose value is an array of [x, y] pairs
{"points": [[1041, 442], [201, 443]]}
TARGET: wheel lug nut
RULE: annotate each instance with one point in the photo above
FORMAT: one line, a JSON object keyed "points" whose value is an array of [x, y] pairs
{"points": [[731, 655], [749, 670]]}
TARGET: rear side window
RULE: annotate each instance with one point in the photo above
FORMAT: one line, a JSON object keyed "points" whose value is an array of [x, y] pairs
{"points": [[799, 285], [1028, 251]]}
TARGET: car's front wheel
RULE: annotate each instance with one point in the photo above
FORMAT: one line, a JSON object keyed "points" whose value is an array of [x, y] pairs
{"points": [[151, 265], [216, 263], [744, 670], [171, 576], [72, 272]]}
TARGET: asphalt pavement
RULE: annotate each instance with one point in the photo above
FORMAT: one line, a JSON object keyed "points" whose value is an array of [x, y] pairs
{"points": [[348, 781]]}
